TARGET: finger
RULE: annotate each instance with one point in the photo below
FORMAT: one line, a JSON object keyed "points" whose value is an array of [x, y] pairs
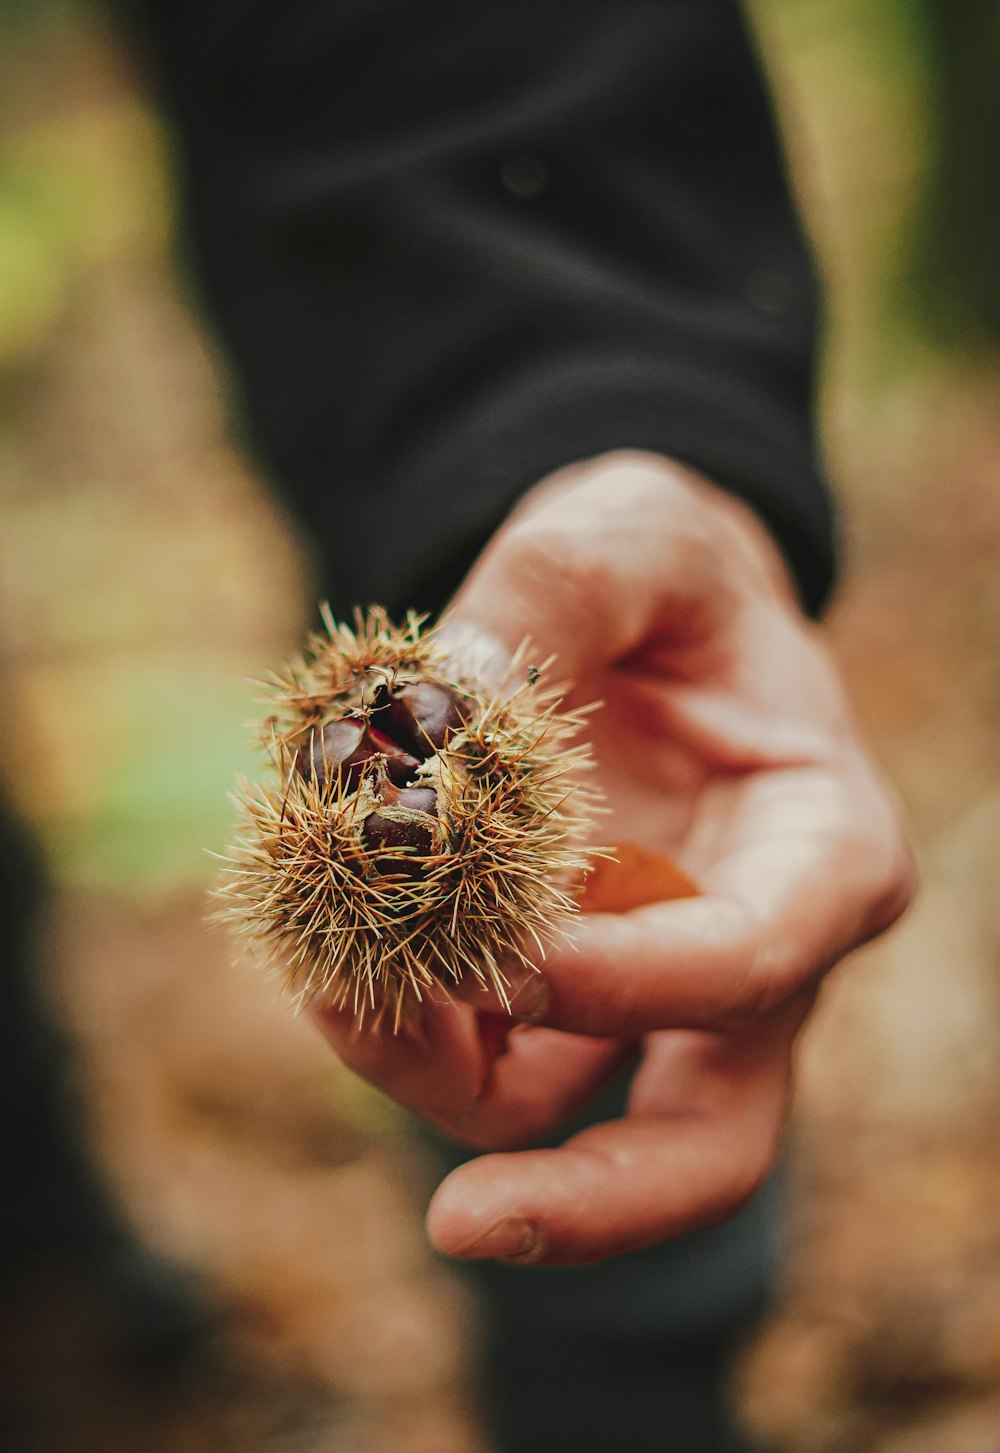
{"points": [[475, 654], [802, 883], [524, 994], [539, 1081], [478, 1076], [703, 1138], [598, 555], [436, 1068]]}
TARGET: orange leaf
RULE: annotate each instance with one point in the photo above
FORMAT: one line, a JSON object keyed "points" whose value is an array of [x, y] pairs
{"points": [[636, 876]]}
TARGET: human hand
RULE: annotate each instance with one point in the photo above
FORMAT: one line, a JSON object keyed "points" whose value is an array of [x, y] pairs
{"points": [[724, 741]]}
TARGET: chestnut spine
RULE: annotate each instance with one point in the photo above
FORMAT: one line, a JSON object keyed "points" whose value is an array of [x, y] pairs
{"points": [[418, 829]]}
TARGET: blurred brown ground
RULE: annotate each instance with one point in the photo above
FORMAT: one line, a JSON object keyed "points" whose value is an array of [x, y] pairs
{"points": [[144, 576]]}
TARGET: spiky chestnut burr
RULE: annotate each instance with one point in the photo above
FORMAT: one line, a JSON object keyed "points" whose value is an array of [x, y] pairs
{"points": [[419, 830]]}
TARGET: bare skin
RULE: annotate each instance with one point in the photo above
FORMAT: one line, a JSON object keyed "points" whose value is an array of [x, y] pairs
{"points": [[724, 741]]}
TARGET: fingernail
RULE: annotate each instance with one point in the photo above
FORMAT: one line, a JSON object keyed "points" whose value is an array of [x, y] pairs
{"points": [[529, 1000], [511, 1240], [475, 653]]}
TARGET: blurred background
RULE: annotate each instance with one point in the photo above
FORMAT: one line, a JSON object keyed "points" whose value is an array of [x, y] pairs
{"points": [[146, 577]]}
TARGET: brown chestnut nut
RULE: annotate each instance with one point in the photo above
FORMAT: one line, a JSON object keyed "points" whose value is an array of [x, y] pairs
{"points": [[401, 763], [413, 832], [424, 715], [346, 745], [415, 799], [335, 746], [374, 898]]}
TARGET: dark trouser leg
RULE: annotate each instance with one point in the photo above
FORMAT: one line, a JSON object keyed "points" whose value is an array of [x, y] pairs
{"points": [[58, 1223], [582, 1393], [634, 1353]]}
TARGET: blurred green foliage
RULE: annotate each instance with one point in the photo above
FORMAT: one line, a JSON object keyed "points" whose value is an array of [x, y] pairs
{"points": [[934, 114], [63, 208], [957, 230], [157, 802], [136, 722]]}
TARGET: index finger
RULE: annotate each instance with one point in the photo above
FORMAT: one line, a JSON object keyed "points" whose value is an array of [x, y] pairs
{"points": [[706, 1115]]}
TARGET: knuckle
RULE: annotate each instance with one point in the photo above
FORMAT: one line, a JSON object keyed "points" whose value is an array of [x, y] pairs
{"points": [[540, 550], [899, 891], [613, 1010], [747, 1169], [744, 1181], [885, 870], [562, 567], [759, 991]]}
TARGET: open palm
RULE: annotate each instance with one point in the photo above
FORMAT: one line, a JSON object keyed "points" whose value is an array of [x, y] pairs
{"points": [[724, 741]]}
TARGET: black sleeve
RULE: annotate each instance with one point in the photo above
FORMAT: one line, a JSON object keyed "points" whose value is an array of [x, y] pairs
{"points": [[452, 246]]}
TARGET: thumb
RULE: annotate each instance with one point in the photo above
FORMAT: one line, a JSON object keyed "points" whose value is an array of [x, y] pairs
{"points": [[590, 561]]}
